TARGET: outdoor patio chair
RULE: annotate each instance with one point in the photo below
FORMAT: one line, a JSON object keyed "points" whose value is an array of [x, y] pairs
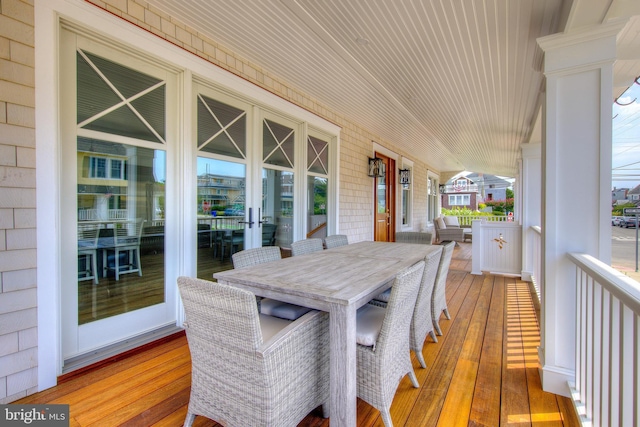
{"points": [[444, 233], [306, 246], [424, 238], [439, 300], [249, 369], [269, 234], [421, 323], [124, 256], [88, 252], [383, 351], [451, 221], [268, 306], [335, 241], [232, 239]]}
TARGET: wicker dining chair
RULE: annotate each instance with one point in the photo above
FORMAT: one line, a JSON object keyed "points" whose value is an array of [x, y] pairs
{"points": [[421, 323], [249, 257], [306, 246], [382, 335], [439, 300], [335, 240], [268, 306], [419, 237], [249, 369]]}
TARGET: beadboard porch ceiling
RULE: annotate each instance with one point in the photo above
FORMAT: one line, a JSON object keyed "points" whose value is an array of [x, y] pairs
{"points": [[456, 83]]}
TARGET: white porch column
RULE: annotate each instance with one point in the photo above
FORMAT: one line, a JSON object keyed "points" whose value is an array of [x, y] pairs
{"points": [[529, 183], [576, 181]]}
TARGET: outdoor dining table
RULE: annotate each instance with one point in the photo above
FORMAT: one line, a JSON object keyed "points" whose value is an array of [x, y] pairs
{"points": [[338, 281]]}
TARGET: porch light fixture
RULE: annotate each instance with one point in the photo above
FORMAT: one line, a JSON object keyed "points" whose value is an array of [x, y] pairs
{"points": [[405, 176], [442, 189], [376, 167]]}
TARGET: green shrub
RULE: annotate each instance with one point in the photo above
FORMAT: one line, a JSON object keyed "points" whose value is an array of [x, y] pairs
{"points": [[463, 212]]}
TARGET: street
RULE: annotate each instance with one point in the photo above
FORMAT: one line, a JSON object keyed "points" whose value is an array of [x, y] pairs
{"points": [[623, 251]]}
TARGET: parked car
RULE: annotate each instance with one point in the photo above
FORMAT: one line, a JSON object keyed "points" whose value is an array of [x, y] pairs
{"points": [[629, 222], [623, 220], [615, 220]]}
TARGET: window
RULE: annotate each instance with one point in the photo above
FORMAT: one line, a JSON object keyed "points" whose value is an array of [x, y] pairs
{"points": [[406, 197], [459, 200], [432, 198], [106, 168], [317, 182]]}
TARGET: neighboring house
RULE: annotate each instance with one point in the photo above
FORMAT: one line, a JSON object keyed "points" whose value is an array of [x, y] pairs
{"points": [[459, 192], [490, 187], [471, 189], [619, 195], [633, 195]]}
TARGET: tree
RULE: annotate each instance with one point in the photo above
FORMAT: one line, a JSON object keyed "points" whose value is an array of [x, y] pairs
{"points": [[509, 193]]}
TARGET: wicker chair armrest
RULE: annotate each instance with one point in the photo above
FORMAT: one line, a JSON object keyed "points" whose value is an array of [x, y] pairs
{"points": [[296, 357], [297, 332]]}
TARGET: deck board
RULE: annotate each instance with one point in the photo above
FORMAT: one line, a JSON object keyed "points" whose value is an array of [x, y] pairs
{"points": [[489, 379], [483, 371]]}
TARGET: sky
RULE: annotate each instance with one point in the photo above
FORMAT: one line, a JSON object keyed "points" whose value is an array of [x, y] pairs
{"points": [[626, 139]]}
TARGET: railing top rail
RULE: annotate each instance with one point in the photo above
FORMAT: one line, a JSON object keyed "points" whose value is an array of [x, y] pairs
{"points": [[622, 287]]}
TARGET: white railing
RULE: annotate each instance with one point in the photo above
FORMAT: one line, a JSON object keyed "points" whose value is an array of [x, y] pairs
{"points": [[222, 222], [92, 215], [606, 391], [466, 220], [537, 278]]}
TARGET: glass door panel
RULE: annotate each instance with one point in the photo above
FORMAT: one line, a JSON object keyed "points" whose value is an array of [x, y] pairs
{"points": [[221, 180], [221, 213], [120, 203], [317, 206], [278, 179], [277, 206], [317, 186]]}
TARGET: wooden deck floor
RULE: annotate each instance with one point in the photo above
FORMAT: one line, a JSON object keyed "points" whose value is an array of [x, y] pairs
{"points": [[482, 372]]}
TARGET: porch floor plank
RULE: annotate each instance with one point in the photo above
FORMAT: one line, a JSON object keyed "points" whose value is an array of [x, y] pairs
{"points": [[483, 371], [489, 379]]}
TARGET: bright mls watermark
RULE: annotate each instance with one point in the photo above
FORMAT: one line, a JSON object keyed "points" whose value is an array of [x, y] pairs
{"points": [[34, 415]]}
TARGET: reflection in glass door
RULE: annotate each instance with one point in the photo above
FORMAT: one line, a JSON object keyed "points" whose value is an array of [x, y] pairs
{"points": [[317, 186], [120, 228], [221, 182], [221, 213], [278, 144]]}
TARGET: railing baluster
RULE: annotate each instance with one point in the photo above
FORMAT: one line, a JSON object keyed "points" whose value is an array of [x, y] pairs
{"points": [[606, 391]]}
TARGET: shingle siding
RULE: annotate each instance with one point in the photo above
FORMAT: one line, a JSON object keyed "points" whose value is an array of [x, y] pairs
{"points": [[18, 307]]}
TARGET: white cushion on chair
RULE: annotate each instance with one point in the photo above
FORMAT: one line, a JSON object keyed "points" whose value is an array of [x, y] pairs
{"points": [[384, 296], [284, 310], [369, 320], [270, 326], [440, 223], [451, 221]]}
